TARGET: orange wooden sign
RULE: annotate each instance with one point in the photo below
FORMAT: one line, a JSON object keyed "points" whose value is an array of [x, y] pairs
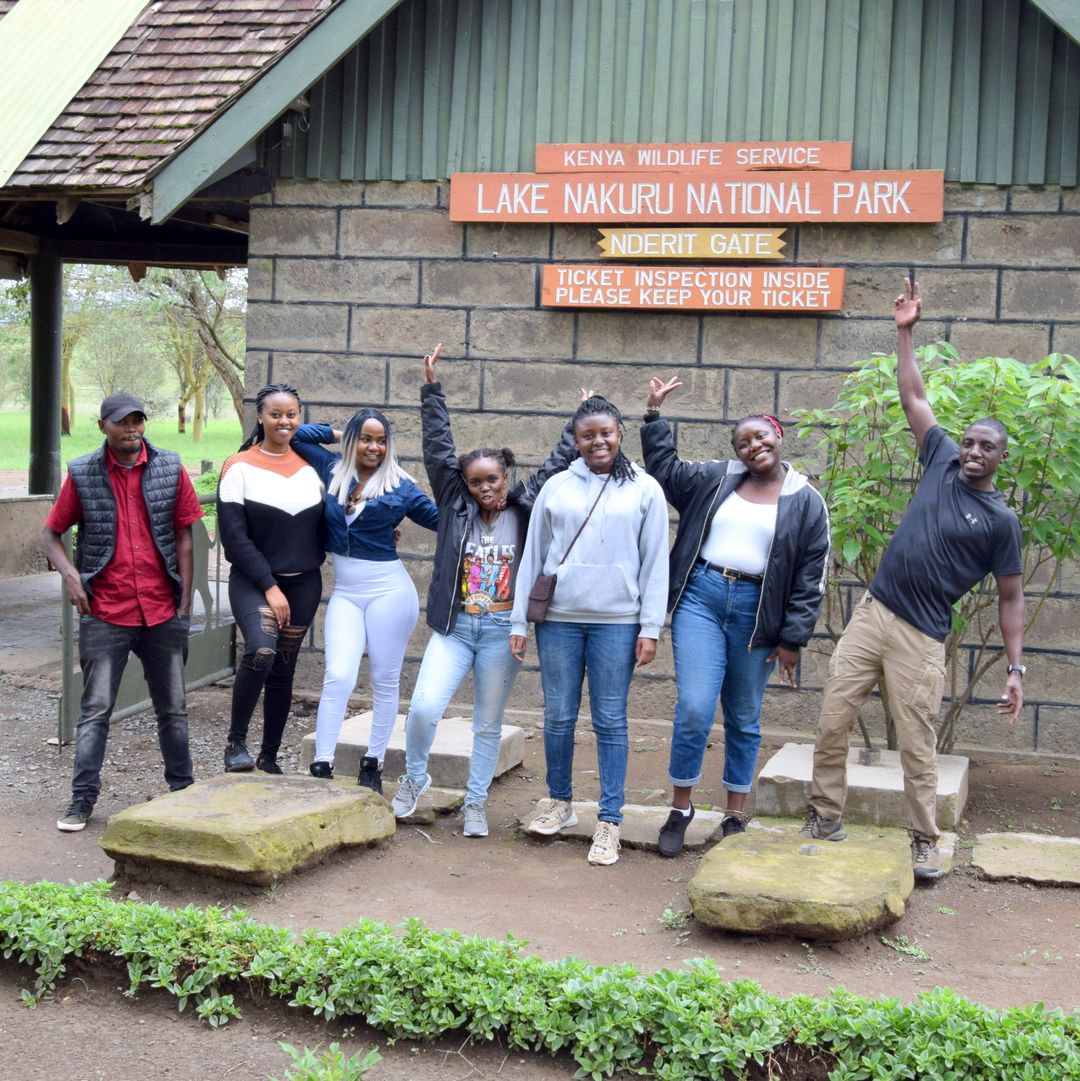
{"points": [[700, 288], [639, 157], [916, 196], [692, 243]]}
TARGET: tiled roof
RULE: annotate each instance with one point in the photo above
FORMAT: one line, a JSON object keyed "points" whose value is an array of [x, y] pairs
{"points": [[178, 64]]}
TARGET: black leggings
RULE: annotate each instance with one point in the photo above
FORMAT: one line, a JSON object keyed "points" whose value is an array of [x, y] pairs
{"points": [[270, 652]]}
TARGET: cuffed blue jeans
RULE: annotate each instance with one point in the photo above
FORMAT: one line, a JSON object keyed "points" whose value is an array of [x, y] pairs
{"points": [[566, 652], [710, 635], [103, 656], [480, 644]]}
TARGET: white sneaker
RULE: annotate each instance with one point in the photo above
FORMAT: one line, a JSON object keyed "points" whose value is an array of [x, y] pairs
{"points": [[605, 844], [551, 816], [475, 820]]}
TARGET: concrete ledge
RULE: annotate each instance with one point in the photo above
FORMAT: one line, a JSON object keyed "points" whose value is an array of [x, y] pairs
{"points": [[875, 793], [640, 827], [450, 753], [248, 827], [1028, 857]]}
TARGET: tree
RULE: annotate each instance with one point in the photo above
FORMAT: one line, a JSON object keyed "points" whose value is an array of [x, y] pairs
{"points": [[14, 345], [207, 308], [872, 469]]}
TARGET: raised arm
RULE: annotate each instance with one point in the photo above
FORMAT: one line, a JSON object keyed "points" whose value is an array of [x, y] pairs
{"points": [[679, 479], [440, 452], [907, 308]]}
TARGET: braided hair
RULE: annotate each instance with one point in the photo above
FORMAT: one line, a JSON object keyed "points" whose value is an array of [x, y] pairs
{"points": [[597, 406], [504, 456], [257, 433], [767, 417]]}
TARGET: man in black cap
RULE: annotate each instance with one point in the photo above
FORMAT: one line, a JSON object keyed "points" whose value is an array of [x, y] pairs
{"points": [[131, 583]]}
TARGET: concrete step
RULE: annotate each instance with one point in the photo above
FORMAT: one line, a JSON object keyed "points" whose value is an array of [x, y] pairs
{"points": [[448, 763], [875, 793], [1028, 857]]}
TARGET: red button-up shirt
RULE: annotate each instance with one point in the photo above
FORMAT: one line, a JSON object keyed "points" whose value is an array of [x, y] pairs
{"points": [[133, 589]]}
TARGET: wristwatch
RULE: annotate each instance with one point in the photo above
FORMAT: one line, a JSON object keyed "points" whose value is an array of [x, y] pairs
{"points": [[1021, 668]]}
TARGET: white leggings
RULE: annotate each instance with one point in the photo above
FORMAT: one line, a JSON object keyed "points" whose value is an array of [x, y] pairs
{"points": [[374, 604]]}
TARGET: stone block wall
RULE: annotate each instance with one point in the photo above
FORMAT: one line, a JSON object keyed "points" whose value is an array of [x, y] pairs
{"points": [[350, 284]]}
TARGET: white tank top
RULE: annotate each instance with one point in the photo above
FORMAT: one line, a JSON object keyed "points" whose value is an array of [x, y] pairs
{"points": [[740, 535]]}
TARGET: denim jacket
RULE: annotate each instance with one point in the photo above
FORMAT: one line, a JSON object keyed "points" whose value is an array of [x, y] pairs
{"points": [[371, 533]]}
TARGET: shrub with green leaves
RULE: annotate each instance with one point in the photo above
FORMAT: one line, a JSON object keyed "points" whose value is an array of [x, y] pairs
{"points": [[672, 1025], [872, 468]]}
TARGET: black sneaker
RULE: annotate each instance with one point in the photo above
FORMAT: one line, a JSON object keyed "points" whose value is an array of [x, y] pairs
{"points": [[323, 770], [267, 763], [237, 757], [370, 774], [77, 815], [731, 825], [673, 832]]}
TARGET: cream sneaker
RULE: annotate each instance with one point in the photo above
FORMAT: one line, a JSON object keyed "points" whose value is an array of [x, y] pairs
{"points": [[551, 816], [605, 844]]}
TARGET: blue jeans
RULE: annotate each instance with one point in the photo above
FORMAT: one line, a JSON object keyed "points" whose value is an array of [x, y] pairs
{"points": [[710, 635], [566, 651], [480, 644], [103, 656]]}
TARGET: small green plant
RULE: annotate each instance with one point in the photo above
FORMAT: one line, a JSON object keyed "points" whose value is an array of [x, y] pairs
{"points": [[902, 944], [946, 911], [331, 1065], [674, 918], [812, 964], [1027, 955]]}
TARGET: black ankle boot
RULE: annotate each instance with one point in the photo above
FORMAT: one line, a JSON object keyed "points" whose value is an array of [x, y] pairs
{"points": [[370, 774]]}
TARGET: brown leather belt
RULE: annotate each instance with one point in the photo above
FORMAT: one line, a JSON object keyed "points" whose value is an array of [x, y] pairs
{"points": [[476, 610], [728, 572]]}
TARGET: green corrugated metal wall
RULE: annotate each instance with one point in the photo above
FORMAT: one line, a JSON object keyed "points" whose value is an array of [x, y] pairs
{"points": [[988, 90]]}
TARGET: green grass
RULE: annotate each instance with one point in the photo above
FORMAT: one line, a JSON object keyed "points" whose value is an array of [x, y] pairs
{"points": [[220, 438]]}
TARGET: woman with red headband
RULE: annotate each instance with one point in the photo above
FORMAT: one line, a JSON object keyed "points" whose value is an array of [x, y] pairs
{"points": [[747, 576]]}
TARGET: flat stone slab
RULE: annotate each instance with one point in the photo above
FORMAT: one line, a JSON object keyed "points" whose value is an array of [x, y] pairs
{"points": [[248, 827], [1028, 857], [772, 880], [875, 793], [640, 827], [448, 762]]}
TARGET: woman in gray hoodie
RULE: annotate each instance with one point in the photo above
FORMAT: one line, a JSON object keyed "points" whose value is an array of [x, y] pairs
{"points": [[605, 615]]}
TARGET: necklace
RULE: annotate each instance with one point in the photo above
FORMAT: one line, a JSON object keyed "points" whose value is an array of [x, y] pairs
{"points": [[273, 453]]}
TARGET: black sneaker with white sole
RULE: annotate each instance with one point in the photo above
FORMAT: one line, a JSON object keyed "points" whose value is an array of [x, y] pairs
{"points": [[77, 815]]}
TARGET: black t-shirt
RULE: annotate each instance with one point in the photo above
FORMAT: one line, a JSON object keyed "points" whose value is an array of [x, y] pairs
{"points": [[950, 538]]}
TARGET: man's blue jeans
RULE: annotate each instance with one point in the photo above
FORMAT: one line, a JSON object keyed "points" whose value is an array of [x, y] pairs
{"points": [[103, 656], [710, 635], [606, 651], [479, 643]]}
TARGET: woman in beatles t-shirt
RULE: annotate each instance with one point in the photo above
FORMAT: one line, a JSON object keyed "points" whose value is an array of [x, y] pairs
{"points": [[482, 525]]}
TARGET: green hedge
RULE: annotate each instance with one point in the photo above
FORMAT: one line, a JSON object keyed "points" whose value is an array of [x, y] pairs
{"points": [[415, 982]]}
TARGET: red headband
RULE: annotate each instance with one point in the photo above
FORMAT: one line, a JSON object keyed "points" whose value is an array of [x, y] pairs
{"points": [[775, 423]]}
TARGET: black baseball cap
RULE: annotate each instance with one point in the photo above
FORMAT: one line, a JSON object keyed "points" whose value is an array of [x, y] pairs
{"points": [[117, 406]]}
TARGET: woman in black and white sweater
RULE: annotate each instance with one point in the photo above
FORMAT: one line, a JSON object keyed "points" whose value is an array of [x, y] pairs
{"points": [[270, 518]]}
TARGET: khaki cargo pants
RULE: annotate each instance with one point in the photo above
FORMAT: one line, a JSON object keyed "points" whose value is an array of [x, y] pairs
{"points": [[878, 644]]}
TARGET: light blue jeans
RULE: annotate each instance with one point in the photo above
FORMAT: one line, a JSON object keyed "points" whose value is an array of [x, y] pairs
{"points": [[606, 650], [710, 636], [480, 644]]}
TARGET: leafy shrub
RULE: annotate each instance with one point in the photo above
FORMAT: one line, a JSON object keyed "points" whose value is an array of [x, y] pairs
{"points": [[671, 1025]]}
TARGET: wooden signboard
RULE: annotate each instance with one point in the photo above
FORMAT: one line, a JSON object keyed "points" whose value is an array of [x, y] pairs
{"points": [[692, 243], [916, 196], [701, 288], [640, 157]]}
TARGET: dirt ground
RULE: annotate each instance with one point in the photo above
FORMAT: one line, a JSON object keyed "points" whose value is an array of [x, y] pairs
{"points": [[997, 943]]}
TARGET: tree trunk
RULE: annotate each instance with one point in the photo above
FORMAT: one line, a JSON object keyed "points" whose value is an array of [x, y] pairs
{"points": [[181, 416]]}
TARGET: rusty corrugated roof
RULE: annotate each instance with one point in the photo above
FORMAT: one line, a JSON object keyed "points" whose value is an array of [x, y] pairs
{"points": [[177, 66]]}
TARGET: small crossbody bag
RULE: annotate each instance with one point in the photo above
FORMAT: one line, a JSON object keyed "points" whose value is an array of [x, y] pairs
{"points": [[544, 587]]}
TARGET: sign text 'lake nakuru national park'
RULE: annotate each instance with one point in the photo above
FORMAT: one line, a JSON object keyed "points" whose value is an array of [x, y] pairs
{"points": [[697, 184]]}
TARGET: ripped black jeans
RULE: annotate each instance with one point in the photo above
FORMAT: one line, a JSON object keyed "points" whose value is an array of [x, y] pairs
{"points": [[270, 652]]}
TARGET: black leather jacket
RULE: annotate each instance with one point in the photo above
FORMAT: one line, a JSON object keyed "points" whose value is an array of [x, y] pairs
{"points": [[795, 574], [457, 508]]}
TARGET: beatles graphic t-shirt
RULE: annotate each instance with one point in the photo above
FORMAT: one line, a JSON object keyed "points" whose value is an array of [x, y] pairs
{"points": [[489, 568]]}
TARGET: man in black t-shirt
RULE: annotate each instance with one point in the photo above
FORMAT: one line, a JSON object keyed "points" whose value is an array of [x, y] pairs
{"points": [[956, 530]]}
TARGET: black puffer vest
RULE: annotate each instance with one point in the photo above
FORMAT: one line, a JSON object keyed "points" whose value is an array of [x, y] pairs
{"points": [[96, 540]]}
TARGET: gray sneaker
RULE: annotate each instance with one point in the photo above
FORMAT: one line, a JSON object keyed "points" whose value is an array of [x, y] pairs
{"points": [[475, 820], [408, 795], [77, 815], [821, 828], [925, 859]]}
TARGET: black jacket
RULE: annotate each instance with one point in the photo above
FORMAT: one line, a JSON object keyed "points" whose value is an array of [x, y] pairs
{"points": [[96, 540], [457, 508], [794, 580]]}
